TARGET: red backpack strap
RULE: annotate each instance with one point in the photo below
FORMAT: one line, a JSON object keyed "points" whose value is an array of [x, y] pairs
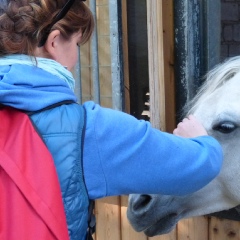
{"points": [[31, 204]]}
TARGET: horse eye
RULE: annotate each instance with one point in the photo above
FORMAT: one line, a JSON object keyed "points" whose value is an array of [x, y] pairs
{"points": [[225, 127]]}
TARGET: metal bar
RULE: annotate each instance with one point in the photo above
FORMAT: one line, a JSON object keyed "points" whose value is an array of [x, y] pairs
{"points": [[197, 45], [116, 54], [94, 52], [187, 54]]}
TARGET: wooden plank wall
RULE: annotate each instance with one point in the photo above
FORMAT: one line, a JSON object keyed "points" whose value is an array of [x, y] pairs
{"points": [[112, 223], [160, 34], [160, 48]]}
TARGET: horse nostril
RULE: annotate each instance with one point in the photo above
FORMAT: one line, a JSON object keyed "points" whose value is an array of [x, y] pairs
{"points": [[142, 202]]}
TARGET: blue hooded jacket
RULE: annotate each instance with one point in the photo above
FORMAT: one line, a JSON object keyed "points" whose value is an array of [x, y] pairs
{"points": [[121, 155]]}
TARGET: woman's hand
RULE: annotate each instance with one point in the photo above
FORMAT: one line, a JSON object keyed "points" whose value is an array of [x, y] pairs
{"points": [[190, 127]]}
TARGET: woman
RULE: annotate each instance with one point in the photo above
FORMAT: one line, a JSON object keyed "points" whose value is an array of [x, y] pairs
{"points": [[97, 152]]}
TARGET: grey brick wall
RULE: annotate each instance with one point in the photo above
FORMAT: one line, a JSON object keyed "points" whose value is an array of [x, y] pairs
{"points": [[230, 33]]}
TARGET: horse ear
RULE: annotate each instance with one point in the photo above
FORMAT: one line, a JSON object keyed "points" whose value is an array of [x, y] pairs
{"points": [[231, 214]]}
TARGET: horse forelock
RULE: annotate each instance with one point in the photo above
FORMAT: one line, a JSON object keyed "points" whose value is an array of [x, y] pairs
{"points": [[214, 80]]}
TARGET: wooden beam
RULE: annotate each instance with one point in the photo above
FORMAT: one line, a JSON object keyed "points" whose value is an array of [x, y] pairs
{"points": [[125, 57], [169, 78], [156, 63]]}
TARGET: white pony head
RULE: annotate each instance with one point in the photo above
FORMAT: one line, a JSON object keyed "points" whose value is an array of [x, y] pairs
{"points": [[217, 106]]}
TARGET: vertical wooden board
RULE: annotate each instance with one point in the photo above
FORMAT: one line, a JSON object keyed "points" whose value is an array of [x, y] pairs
{"points": [[86, 74], [168, 45], [102, 2], [220, 229], [85, 53], [103, 20], [105, 81], [126, 230], [86, 98], [161, 43], [108, 219], [125, 56], [86, 83], [106, 102], [157, 84], [156, 63], [193, 229], [170, 236], [104, 51], [128, 233]]}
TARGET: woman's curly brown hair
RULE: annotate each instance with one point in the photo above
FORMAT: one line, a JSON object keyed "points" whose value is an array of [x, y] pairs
{"points": [[23, 22]]}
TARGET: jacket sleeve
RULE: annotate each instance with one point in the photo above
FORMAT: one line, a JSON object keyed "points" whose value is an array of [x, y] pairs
{"points": [[123, 155]]}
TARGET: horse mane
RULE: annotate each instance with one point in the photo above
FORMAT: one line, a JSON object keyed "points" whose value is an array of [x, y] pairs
{"points": [[214, 80]]}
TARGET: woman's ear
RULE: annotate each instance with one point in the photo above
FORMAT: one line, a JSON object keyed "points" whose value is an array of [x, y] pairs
{"points": [[52, 44]]}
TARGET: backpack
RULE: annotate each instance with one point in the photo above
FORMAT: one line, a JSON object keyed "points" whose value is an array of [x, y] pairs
{"points": [[16, 130], [31, 203]]}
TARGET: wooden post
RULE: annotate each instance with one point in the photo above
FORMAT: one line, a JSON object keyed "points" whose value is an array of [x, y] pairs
{"points": [[157, 84], [125, 57], [156, 63], [169, 78], [161, 62]]}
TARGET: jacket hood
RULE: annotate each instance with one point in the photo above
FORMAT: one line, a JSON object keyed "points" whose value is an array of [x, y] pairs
{"points": [[30, 88]]}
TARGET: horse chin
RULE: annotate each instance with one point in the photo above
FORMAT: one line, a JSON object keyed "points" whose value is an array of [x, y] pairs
{"points": [[163, 226], [145, 214]]}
